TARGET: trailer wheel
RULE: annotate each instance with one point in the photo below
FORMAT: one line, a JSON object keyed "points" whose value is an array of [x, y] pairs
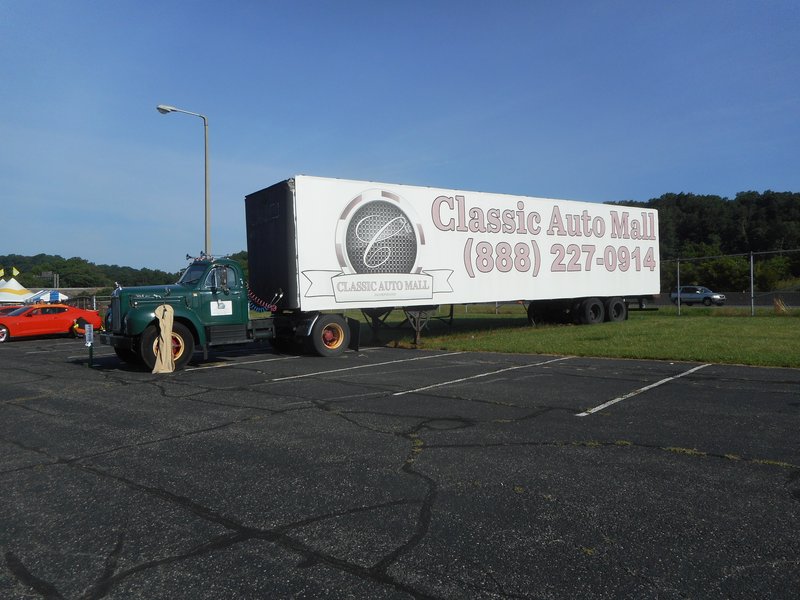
{"points": [[541, 312], [330, 335], [182, 346], [616, 309], [591, 311]]}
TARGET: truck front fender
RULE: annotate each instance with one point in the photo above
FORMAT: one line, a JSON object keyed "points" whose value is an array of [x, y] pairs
{"points": [[139, 319]]}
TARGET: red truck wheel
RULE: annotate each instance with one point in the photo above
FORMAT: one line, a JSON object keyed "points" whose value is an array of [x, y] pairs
{"points": [[330, 335], [182, 346]]}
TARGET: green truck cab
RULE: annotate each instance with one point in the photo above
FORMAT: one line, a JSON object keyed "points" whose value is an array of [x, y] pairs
{"points": [[211, 304], [211, 308]]}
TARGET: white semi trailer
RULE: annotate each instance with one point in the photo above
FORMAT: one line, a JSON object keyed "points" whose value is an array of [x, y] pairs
{"points": [[323, 244]]}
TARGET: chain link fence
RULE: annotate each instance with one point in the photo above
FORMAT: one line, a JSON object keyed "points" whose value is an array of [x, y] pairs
{"points": [[86, 298], [755, 279]]}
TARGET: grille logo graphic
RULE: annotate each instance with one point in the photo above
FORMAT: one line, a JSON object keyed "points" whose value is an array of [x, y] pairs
{"points": [[380, 239], [379, 244]]}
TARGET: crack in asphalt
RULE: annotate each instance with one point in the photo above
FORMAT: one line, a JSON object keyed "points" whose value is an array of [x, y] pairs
{"points": [[239, 533], [106, 582], [25, 577]]}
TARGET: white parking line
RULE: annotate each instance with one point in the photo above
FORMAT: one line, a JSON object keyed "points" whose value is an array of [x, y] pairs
{"points": [[391, 362], [243, 362], [639, 391], [443, 383], [86, 355]]}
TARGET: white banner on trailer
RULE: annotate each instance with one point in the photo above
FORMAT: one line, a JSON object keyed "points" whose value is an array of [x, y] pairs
{"points": [[365, 244]]}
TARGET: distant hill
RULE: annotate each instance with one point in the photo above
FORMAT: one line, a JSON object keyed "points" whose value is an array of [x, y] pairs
{"points": [[700, 225], [37, 272]]}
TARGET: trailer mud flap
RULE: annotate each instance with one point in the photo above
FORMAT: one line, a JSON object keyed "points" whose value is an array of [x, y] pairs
{"points": [[355, 333]]}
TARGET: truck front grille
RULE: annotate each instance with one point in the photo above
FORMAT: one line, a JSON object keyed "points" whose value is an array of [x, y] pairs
{"points": [[116, 317]]}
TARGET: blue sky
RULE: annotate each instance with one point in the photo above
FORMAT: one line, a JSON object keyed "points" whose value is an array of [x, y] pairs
{"points": [[599, 101]]}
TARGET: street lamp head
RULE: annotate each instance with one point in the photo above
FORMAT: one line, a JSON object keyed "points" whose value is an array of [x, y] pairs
{"points": [[164, 109]]}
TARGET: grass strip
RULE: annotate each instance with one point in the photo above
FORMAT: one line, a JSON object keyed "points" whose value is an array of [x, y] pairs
{"points": [[712, 335]]}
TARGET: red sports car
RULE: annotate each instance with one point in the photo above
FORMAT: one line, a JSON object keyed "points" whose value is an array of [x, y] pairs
{"points": [[46, 319]]}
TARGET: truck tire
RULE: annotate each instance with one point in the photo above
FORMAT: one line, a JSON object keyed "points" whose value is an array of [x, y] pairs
{"points": [[591, 311], [330, 335], [543, 312], [182, 346], [616, 309]]}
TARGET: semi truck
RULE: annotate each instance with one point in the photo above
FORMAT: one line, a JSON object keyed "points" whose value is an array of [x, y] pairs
{"points": [[318, 247]]}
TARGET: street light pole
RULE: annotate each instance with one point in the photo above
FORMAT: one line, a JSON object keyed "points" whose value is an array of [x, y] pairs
{"points": [[164, 109]]}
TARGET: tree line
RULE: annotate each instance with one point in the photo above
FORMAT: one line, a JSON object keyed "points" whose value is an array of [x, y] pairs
{"points": [[690, 226], [37, 272]]}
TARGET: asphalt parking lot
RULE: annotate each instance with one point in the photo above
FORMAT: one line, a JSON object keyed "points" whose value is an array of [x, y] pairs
{"points": [[390, 473]]}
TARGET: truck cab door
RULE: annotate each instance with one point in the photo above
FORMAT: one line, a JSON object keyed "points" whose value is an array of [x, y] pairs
{"points": [[223, 292], [224, 305]]}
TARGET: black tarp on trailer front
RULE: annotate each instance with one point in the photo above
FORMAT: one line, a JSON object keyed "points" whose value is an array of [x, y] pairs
{"points": [[271, 244]]}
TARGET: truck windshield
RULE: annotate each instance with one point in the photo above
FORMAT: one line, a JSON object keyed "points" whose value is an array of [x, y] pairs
{"points": [[192, 274]]}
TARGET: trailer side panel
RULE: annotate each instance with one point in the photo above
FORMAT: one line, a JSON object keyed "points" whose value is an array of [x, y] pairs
{"points": [[363, 244]]}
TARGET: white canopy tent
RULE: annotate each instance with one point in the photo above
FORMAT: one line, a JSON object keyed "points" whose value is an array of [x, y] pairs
{"points": [[12, 292], [47, 296]]}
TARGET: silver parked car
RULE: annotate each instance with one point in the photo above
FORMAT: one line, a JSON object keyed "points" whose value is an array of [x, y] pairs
{"points": [[695, 294]]}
